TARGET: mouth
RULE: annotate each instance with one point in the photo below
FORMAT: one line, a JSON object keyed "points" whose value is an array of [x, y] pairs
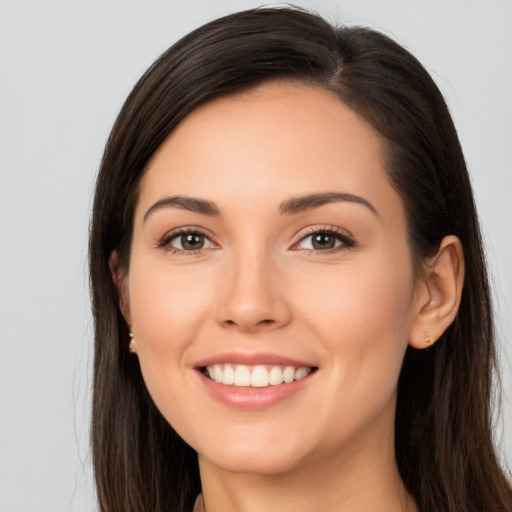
{"points": [[255, 376], [252, 382]]}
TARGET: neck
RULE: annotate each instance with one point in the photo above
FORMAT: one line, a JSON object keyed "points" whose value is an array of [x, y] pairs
{"points": [[364, 478]]}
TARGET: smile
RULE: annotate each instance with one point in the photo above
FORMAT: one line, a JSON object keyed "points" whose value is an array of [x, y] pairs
{"points": [[256, 376], [254, 381]]}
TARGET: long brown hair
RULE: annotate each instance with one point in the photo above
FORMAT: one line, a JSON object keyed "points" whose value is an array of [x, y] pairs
{"points": [[444, 445]]}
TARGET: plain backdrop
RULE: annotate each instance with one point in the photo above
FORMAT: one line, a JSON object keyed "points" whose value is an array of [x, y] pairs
{"points": [[65, 69]]}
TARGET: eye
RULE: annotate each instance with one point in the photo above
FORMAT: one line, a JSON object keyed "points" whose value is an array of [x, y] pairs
{"points": [[187, 241], [325, 240]]}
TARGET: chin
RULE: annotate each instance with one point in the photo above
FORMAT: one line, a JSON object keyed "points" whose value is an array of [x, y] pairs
{"points": [[266, 463], [250, 457]]}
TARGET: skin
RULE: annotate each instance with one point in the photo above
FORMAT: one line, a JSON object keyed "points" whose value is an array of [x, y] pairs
{"points": [[257, 285]]}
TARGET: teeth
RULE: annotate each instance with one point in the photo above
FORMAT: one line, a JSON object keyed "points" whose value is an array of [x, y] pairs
{"points": [[228, 376], [242, 376], [289, 374], [300, 373], [275, 376], [259, 376], [217, 373]]}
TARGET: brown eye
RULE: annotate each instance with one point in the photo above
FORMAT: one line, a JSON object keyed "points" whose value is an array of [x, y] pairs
{"points": [[192, 242], [189, 242], [325, 240]]}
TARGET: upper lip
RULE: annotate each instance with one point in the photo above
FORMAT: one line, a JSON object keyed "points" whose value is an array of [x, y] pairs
{"points": [[252, 359]]}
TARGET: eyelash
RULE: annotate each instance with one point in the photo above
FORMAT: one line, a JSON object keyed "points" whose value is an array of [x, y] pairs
{"points": [[165, 242], [347, 241]]}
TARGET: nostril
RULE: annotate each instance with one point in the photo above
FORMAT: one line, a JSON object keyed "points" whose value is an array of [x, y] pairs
{"points": [[262, 322]]}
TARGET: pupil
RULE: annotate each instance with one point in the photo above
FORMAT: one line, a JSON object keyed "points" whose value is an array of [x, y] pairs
{"points": [[323, 241], [192, 241]]}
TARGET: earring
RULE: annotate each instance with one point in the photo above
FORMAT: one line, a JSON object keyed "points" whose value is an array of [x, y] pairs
{"points": [[428, 339], [131, 346]]}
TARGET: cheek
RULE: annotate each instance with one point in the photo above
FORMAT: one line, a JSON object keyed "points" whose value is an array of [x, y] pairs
{"points": [[357, 300], [362, 319], [362, 314], [167, 308]]}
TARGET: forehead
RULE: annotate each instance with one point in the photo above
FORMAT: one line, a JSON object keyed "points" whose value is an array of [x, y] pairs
{"points": [[272, 142]]}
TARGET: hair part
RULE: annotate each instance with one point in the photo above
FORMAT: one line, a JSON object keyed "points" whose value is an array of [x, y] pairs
{"points": [[443, 443]]}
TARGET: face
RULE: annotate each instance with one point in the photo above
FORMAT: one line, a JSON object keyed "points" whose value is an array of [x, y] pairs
{"points": [[270, 287]]}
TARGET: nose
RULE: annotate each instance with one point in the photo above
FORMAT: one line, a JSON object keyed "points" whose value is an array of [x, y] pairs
{"points": [[253, 297]]}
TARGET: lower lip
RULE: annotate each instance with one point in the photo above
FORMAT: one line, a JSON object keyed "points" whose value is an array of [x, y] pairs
{"points": [[251, 397]]}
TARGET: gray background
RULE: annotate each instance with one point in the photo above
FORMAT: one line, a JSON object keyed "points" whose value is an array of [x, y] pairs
{"points": [[65, 69]]}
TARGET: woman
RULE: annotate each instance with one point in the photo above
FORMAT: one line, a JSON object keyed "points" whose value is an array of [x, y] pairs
{"points": [[289, 287]]}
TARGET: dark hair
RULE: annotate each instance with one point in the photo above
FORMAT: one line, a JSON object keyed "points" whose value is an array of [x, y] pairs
{"points": [[444, 445]]}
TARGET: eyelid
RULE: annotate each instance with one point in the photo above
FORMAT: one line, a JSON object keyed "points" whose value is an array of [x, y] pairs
{"points": [[165, 240], [345, 237]]}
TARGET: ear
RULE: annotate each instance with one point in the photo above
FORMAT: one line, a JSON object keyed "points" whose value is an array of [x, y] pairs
{"points": [[438, 294], [121, 284]]}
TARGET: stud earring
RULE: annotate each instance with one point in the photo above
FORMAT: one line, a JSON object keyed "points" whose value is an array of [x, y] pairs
{"points": [[428, 339], [131, 346]]}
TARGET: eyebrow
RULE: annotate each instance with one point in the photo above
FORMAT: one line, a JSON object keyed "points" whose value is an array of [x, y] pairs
{"points": [[289, 207], [185, 203], [311, 201]]}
